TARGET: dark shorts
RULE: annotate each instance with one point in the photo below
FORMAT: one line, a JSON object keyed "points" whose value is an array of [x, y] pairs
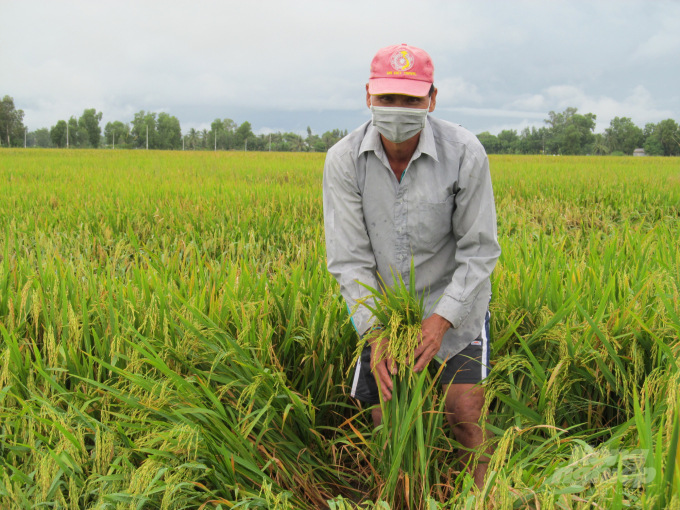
{"points": [[469, 366]]}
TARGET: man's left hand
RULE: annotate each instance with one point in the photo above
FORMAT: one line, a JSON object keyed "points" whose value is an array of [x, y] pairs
{"points": [[431, 336]]}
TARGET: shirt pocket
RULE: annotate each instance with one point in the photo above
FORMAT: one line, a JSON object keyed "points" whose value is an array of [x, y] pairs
{"points": [[434, 222]]}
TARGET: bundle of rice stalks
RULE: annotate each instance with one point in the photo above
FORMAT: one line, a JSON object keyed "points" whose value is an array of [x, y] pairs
{"points": [[406, 444]]}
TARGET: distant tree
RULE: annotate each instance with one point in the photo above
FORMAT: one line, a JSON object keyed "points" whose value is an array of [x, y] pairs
{"points": [[297, 143], [624, 135], [330, 138], [11, 123], [662, 139], [143, 120], [563, 139], [557, 121], [218, 134], [225, 130], [491, 143], [89, 122], [586, 126], [653, 146], [669, 136], [82, 138], [229, 125], [601, 145], [116, 133], [508, 140], [58, 134], [192, 139], [648, 130], [41, 138], [571, 140], [313, 141], [244, 132], [217, 126], [72, 139], [531, 140], [169, 132]]}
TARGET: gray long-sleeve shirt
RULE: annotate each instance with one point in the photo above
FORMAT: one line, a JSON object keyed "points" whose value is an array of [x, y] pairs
{"points": [[442, 213]]}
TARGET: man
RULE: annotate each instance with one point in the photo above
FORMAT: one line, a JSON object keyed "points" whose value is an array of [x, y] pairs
{"points": [[408, 185]]}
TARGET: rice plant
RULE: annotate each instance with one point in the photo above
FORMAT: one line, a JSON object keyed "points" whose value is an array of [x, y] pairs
{"points": [[406, 443], [170, 338]]}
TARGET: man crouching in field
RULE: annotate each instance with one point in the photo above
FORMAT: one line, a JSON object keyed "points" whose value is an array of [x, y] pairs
{"points": [[408, 185]]}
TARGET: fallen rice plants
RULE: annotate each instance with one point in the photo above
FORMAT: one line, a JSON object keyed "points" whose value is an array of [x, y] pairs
{"points": [[170, 338]]}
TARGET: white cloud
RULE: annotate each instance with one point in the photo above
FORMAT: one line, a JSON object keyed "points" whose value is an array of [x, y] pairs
{"points": [[244, 60], [529, 102], [659, 45], [494, 129], [455, 91], [665, 42], [495, 112], [639, 105]]}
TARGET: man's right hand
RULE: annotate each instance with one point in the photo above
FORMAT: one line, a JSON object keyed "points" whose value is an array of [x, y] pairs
{"points": [[382, 364]]}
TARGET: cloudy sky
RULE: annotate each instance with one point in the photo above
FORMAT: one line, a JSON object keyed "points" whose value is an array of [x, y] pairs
{"points": [[284, 65]]}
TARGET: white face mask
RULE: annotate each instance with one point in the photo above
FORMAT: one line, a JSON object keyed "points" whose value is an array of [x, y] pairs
{"points": [[399, 124]]}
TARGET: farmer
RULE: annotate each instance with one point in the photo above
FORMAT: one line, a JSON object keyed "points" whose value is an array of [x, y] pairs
{"points": [[402, 185]]}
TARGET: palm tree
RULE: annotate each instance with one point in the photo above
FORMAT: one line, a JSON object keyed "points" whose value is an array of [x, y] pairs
{"points": [[298, 143], [192, 138], [601, 145]]}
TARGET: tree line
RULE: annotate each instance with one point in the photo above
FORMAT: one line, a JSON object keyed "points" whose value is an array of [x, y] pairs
{"points": [[155, 131], [568, 132]]}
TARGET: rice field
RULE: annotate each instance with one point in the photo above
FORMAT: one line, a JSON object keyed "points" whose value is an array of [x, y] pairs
{"points": [[170, 338]]}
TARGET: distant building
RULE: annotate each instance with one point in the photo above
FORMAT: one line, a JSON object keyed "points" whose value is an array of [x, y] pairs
{"points": [[639, 152]]}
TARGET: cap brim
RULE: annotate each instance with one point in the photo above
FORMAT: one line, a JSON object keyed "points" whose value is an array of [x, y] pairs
{"points": [[417, 88]]}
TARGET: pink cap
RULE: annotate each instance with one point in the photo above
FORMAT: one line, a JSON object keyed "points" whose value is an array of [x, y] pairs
{"points": [[401, 69]]}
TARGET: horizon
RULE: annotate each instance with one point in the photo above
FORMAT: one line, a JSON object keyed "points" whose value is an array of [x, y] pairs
{"points": [[503, 66]]}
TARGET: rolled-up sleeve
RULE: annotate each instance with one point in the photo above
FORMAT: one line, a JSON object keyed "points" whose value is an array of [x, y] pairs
{"points": [[475, 233], [349, 252]]}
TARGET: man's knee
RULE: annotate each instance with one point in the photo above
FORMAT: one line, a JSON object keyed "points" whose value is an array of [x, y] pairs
{"points": [[376, 414], [466, 422], [464, 407]]}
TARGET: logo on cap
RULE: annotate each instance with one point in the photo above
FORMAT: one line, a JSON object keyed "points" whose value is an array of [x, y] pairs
{"points": [[402, 60]]}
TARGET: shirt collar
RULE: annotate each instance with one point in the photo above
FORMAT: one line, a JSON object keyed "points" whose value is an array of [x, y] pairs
{"points": [[426, 145]]}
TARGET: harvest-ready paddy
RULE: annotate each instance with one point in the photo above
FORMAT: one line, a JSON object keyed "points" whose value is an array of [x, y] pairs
{"points": [[170, 338]]}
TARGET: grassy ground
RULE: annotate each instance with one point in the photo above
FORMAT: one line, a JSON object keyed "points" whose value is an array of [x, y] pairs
{"points": [[170, 338]]}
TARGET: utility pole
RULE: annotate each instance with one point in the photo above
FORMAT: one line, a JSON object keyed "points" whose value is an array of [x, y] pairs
{"points": [[147, 137], [67, 135], [182, 143], [246, 144], [25, 129]]}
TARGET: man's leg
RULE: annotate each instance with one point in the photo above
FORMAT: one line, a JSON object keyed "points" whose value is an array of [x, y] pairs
{"points": [[376, 414], [464, 405]]}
